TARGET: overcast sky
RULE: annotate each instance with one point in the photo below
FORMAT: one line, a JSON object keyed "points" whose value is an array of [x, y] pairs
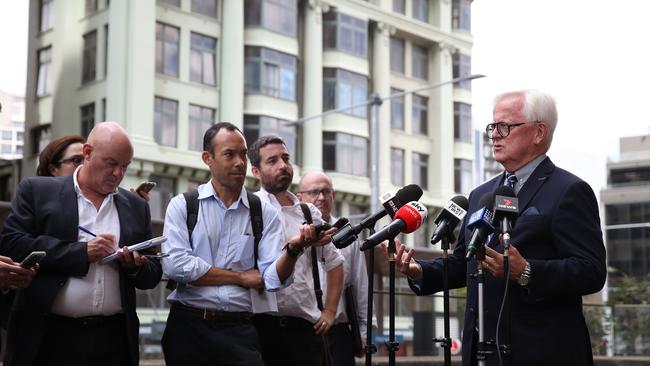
{"points": [[592, 55]]}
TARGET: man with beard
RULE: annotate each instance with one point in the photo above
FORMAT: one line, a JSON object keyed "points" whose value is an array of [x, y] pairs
{"points": [[214, 264], [79, 311], [294, 334]]}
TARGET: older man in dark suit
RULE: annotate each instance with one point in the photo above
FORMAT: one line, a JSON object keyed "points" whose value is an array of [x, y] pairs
{"points": [[77, 310], [557, 253]]}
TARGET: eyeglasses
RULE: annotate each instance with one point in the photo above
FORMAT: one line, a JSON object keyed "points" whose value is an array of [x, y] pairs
{"points": [[75, 160], [316, 192], [502, 128]]}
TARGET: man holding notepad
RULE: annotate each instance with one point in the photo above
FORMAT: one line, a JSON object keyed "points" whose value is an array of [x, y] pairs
{"points": [[77, 310]]}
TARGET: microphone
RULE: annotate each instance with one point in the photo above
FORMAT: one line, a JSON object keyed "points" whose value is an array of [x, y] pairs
{"points": [[506, 210], [326, 226], [481, 224], [348, 234], [453, 213], [407, 220]]}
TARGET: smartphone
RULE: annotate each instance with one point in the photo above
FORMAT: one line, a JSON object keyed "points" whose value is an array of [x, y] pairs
{"points": [[325, 226], [145, 186], [32, 259], [158, 255]]}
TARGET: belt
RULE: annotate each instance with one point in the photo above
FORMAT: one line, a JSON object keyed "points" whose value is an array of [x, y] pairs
{"points": [[89, 321], [282, 321], [218, 315]]}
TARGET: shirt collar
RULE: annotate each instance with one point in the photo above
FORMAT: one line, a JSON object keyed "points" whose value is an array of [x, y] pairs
{"points": [[525, 171], [273, 200], [77, 188], [207, 190]]}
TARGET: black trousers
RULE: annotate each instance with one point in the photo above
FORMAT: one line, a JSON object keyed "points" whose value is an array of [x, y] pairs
{"points": [[288, 341], [87, 341], [189, 339], [341, 345]]}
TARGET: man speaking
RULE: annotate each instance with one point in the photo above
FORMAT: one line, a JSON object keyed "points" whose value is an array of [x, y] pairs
{"points": [[557, 253]]}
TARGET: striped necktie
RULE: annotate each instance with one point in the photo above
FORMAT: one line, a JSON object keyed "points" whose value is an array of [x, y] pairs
{"points": [[511, 180]]}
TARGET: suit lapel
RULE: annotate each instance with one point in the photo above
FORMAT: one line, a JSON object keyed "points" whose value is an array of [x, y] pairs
{"points": [[124, 213], [69, 209], [534, 183]]}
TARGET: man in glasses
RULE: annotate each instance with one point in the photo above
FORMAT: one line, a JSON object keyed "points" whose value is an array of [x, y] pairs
{"points": [[316, 188], [556, 255]]}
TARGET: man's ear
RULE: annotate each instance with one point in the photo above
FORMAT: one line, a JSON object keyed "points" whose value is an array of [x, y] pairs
{"points": [[299, 195], [256, 172], [333, 194], [541, 133], [206, 157]]}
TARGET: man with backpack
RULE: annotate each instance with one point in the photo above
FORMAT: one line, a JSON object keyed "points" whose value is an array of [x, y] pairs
{"points": [[223, 244], [295, 334]]}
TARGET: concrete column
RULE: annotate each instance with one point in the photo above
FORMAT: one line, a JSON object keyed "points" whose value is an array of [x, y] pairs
{"points": [[231, 93], [131, 73], [381, 85], [312, 135], [441, 112]]}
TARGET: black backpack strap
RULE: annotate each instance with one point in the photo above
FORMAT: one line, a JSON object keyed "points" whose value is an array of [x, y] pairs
{"points": [[257, 223], [192, 208], [314, 261]]}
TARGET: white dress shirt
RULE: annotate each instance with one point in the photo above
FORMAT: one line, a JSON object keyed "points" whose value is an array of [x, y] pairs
{"points": [[299, 299], [356, 274], [98, 292]]}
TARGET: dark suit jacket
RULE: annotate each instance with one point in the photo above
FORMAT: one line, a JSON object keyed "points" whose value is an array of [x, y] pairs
{"points": [[44, 216], [558, 232]]}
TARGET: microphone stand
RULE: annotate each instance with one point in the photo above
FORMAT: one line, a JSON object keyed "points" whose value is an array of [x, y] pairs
{"points": [[445, 342], [505, 347], [390, 343], [370, 348]]}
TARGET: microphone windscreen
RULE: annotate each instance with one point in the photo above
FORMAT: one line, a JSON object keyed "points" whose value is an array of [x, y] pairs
{"points": [[412, 214], [411, 192], [504, 191], [461, 201], [487, 200]]}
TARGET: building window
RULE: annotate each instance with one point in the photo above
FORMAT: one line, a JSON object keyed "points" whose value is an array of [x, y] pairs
{"points": [[419, 62], [87, 118], [345, 153], [7, 135], [201, 118], [46, 15], [397, 166], [89, 57], [20, 136], [176, 3], [396, 110], [399, 6], [270, 73], [461, 15], [421, 10], [421, 170], [164, 124], [202, 59], [103, 109], [44, 78], [463, 122], [397, 55], [462, 67], [167, 38], [6, 149], [105, 50], [205, 7], [41, 136], [419, 118], [276, 15], [160, 197], [258, 126], [344, 89], [91, 6], [462, 176], [345, 33]]}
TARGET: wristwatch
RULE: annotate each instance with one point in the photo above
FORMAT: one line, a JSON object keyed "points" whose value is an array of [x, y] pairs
{"points": [[524, 278], [293, 252]]}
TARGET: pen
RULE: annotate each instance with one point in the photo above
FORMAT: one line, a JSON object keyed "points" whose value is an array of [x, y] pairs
{"points": [[86, 231]]}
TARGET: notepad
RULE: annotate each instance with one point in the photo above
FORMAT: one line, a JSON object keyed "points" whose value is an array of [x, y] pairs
{"points": [[135, 247]]}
